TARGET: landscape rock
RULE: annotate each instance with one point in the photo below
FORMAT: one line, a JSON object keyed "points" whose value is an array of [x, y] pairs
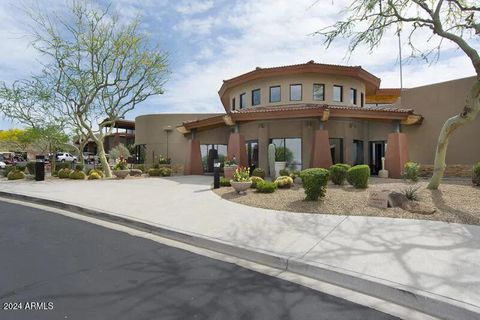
{"points": [[135, 172], [396, 199]]}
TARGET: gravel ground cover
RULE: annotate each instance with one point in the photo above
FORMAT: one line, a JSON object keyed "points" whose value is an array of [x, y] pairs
{"points": [[455, 201]]}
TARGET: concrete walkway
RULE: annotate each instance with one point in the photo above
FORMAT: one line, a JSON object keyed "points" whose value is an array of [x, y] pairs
{"points": [[433, 259]]}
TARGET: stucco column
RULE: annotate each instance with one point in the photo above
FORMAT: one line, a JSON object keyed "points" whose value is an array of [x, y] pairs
{"points": [[193, 159], [321, 156], [307, 142], [237, 149], [263, 147], [396, 154]]}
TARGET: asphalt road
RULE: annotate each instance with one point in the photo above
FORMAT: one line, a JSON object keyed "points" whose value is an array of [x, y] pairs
{"points": [[70, 269]]}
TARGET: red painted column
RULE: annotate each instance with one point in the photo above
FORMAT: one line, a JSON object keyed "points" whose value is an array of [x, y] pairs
{"points": [[193, 159], [321, 156], [237, 149], [396, 155]]}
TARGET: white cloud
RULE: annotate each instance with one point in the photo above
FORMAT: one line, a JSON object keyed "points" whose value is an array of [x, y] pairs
{"points": [[194, 7]]}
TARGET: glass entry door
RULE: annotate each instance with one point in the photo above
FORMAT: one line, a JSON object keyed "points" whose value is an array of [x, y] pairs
{"points": [[252, 154], [210, 152], [376, 152]]}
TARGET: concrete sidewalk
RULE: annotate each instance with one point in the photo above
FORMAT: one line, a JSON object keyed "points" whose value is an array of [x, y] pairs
{"points": [[425, 264]]}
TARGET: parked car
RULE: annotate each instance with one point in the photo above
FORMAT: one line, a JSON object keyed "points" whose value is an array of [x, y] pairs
{"points": [[2, 165], [65, 156]]}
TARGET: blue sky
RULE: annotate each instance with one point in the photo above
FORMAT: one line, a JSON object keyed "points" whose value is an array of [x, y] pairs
{"points": [[211, 40]]}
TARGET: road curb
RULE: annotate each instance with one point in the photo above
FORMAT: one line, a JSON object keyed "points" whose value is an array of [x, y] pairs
{"points": [[435, 305]]}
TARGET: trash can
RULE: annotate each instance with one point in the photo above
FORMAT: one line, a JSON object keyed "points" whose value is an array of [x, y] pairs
{"points": [[216, 174], [39, 168]]}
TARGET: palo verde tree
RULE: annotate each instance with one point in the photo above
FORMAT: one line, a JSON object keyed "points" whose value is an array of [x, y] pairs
{"points": [[98, 68], [457, 21]]}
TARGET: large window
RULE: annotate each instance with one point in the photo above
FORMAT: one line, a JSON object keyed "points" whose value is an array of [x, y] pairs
{"points": [[256, 97], [337, 93], [318, 92], [353, 96], [358, 157], [275, 94], [210, 152], [243, 101], [233, 104], [336, 150], [295, 92], [290, 150]]}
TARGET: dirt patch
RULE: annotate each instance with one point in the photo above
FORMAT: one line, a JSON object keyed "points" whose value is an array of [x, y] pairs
{"points": [[456, 200]]}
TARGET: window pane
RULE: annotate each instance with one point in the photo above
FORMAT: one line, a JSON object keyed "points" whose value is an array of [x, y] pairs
{"points": [[294, 146], [243, 102], [275, 94], [295, 92], [362, 99], [353, 96], [319, 92], [336, 150], [256, 97], [338, 93], [233, 104]]}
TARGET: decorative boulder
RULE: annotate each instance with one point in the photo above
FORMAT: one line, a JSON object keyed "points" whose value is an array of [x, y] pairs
{"points": [[136, 172]]}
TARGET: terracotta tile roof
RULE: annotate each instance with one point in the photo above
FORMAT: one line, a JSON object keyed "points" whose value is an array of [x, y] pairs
{"points": [[320, 107]]}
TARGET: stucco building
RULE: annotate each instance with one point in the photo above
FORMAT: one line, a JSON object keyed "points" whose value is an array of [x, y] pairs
{"points": [[322, 113]]}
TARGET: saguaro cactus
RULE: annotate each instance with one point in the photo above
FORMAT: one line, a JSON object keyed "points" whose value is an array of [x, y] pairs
{"points": [[271, 160]]}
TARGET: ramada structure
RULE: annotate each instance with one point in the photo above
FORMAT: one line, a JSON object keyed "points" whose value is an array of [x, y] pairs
{"points": [[321, 113]]}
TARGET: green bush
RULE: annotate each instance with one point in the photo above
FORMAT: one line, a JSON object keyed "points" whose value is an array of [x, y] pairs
{"points": [[165, 172], [31, 167], [77, 175], [411, 171], [411, 193], [266, 187], [139, 167], [338, 173], [284, 182], [284, 172], [97, 171], [20, 168], [224, 182], [476, 174], [64, 173], [255, 180], [15, 175], [7, 170], [154, 172], [315, 182], [94, 175], [358, 176], [79, 167], [294, 174], [259, 172]]}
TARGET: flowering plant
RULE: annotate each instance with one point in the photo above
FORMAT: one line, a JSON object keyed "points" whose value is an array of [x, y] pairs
{"points": [[230, 162], [242, 174], [164, 160], [121, 165]]}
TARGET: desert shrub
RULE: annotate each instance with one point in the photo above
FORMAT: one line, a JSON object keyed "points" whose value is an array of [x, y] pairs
{"points": [[165, 172], [7, 170], [77, 175], [64, 173], [154, 172], [121, 165], [258, 172], [284, 182], [358, 176], [66, 165], [20, 168], [97, 171], [255, 180], [16, 175], [294, 174], [224, 182], [284, 172], [139, 167], [411, 171], [79, 167], [119, 152], [476, 174], [315, 182], [31, 167], [94, 175], [266, 187], [338, 173], [411, 193]]}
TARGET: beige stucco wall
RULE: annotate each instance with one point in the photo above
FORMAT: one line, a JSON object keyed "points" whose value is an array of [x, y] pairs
{"points": [[436, 103], [150, 130], [306, 79]]}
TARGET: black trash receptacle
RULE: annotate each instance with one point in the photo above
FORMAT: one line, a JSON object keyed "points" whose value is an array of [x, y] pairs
{"points": [[216, 174], [39, 168]]}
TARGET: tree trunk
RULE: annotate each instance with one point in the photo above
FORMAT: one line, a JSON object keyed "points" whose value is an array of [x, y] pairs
{"points": [[103, 158], [470, 112], [81, 146]]}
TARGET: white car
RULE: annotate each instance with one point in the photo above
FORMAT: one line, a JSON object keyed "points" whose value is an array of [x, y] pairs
{"points": [[2, 165], [65, 156]]}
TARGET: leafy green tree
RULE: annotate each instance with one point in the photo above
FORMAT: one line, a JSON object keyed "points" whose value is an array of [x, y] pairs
{"points": [[368, 21], [98, 68]]}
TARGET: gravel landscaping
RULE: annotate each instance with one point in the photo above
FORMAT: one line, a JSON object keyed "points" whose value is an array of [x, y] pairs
{"points": [[456, 200]]}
